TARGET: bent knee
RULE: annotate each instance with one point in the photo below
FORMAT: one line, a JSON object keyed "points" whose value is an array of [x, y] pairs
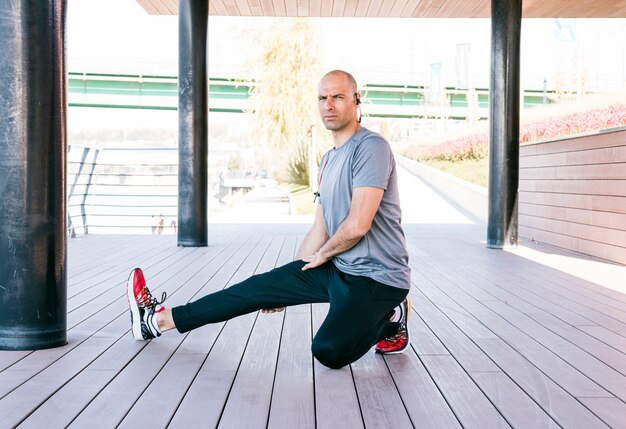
{"points": [[330, 356]]}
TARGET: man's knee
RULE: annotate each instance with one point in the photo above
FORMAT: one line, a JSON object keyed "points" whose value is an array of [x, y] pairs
{"points": [[330, 355]]}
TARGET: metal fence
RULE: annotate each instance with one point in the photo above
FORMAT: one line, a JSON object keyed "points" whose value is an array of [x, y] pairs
{"points": [[119, 190]]}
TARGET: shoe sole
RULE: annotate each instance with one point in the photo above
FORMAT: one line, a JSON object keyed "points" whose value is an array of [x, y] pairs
{"points": [[408, 333], [135, 318]]}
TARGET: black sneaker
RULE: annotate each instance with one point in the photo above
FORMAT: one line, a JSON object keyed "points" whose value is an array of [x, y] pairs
{"points": [[398, 341], [143, 307]]}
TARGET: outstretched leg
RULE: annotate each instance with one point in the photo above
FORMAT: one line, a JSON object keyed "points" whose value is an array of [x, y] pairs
{"points": [[283, 286]]}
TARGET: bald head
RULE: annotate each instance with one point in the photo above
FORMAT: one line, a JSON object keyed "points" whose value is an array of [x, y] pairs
{"points": [[341, 75]]}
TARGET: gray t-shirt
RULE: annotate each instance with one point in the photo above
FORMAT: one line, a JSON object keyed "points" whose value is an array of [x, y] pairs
{"points": [[366, 160]]}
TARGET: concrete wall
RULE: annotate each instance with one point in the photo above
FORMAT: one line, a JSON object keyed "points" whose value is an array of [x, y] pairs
{"points": [[468, 197], [572, 193]]}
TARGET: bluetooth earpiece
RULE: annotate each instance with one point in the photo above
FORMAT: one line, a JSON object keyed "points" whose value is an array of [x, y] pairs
{"points": [[358, 99]]}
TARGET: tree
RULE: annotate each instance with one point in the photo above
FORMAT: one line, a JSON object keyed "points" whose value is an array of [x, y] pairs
{"points": [[283, 100]]}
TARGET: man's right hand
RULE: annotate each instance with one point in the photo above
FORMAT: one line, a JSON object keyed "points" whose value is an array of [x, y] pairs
{"points": [[272, 310]]}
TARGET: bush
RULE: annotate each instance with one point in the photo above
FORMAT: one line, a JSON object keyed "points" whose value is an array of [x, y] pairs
{"points": [[476, 146]]}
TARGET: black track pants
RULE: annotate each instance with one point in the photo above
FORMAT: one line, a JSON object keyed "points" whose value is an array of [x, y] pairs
{"points": [[360, 307]]}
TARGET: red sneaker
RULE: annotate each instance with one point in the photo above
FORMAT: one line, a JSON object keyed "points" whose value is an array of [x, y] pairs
{"points": [[143, 307], [400, 340]]}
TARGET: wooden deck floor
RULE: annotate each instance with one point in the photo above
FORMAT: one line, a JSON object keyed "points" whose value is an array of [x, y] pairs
{"points": [[529, 338]]}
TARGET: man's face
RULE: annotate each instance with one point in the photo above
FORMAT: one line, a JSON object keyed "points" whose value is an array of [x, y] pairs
{"points": [[336, 102]]}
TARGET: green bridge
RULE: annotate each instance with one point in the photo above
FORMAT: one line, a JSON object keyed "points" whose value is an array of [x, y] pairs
{"points": [[119, 91]]}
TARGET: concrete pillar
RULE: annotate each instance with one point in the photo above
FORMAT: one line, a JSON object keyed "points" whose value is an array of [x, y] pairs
{"points": [[192, 120], [504, 104], [33, 146]]}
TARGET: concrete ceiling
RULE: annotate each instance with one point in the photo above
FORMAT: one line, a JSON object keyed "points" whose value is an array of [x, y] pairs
{"points": [[396, 8]]}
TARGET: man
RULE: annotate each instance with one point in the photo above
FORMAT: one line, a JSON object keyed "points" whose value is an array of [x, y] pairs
{"points": [[354, 256]]}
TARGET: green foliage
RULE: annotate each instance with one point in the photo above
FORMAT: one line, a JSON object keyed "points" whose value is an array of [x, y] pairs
{"points": [[283, 100], [473, 170], [235, 162]]}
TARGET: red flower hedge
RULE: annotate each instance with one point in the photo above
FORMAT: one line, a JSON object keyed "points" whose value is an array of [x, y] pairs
{"points": [[476, 146]]}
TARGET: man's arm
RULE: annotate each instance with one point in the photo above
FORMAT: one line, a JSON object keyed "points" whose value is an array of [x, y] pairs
{"points": [[365, 203], [315, 238]]}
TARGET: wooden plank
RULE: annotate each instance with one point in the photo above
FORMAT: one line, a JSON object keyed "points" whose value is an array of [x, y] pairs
{"points": [[519, 410], [550, 282], [424, 402], [611, 356], [129, 385], [611, 410], [601, 140], [362, 8], [379, 399], [605, 376], [351, 8], [520, 279], [338, 8], [291, 8], [423, 340], [335, 393], [204, 401], [279, 8], [465, 399], [211, 386], [455, 340], [303, 8], [580, 283], [615, 221], [175, 378], [10, 357], [18, 404], [181, 369], [583, 157], [617, 341], [408, 7], [326, 9], [613, 171], [604, 251], [615, 188], [614, 204], [63, 406], [598, 234], [573, 268], [373, 8], [560, 405], [249, 399], [36, 362], [115, 278], [558, 369], [385, 8], [293, 395], [315, 8]]}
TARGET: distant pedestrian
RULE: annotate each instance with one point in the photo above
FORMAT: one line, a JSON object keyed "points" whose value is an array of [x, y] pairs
{"points": [[161, 224]]}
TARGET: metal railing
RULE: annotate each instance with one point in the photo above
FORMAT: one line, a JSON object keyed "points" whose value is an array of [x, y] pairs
{"points": [[122, 190]]}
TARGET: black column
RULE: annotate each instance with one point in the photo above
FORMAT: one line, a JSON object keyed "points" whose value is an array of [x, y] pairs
{"points": [[192, 123], [506, 23], [33, 147]]}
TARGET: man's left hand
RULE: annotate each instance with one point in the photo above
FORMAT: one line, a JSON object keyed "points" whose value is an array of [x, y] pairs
{"points": [[313, 261]]}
